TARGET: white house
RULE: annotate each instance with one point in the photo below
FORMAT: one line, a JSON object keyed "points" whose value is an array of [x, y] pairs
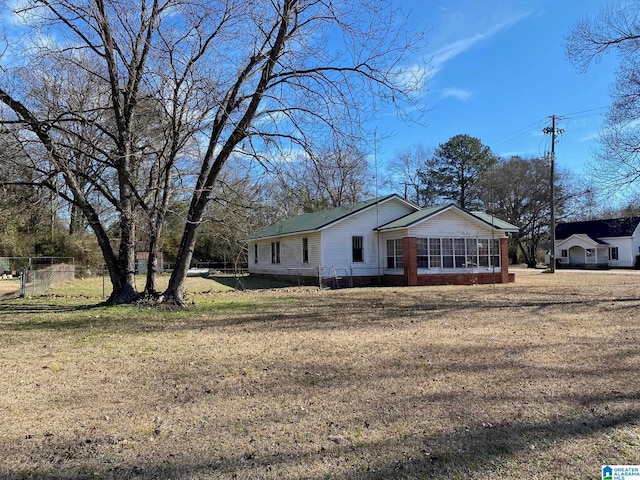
{"points": [[610, 243], [384, 241]]}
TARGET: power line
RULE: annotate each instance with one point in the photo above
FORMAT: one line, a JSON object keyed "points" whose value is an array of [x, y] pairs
{"points": [[518, 134], [585, 113], [536, 126]]}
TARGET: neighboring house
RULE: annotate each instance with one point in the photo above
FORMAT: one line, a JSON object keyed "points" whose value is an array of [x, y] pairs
{"points": [[384, 241], [598, 243], [142, 262]]}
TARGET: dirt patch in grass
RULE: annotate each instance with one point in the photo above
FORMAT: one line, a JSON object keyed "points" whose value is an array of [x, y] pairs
{"points": [[507, 381]]}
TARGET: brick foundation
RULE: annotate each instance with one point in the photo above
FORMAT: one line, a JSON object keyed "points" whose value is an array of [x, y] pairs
{"points": [[453, 279]]}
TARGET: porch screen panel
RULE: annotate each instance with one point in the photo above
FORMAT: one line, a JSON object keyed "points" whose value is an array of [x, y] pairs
{"points": [[447, 252], [472, 252], [422, 249], [435, 253], [460, 252], [495, 252], [483, 252]]}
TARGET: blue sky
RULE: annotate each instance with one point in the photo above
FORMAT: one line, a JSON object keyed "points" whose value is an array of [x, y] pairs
{"points": [[499, 71]]}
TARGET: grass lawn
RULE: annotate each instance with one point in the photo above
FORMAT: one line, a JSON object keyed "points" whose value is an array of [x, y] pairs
{"points": [[532, 380]]}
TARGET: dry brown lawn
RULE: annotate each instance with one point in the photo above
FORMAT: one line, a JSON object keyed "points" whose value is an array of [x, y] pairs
{"points": [[9, 287], [532, 380]]}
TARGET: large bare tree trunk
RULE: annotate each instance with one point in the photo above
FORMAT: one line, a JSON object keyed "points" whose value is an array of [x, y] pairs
{"points": [[147, 86], [175, 289]]}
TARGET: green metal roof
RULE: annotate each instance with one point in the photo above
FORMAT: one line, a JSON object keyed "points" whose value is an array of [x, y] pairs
{"points": [[496, 222], [413, 218], [310, 222]]}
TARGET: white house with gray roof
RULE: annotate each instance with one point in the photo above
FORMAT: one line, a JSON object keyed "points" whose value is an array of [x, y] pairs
{"points": [[384, 241], [607, 243]]}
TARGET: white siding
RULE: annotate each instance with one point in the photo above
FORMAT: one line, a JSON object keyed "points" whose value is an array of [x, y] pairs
{"points": [[579, 240], [626, 252], [635, 244], [452, 224], [290, 256], [337, 240]]}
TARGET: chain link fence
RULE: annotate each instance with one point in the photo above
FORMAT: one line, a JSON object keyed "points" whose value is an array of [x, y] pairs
{"points": [[38, 274], [38, 281]]}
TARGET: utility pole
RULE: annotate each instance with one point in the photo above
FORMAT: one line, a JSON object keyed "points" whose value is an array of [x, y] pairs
{"points": [[552, 227]]}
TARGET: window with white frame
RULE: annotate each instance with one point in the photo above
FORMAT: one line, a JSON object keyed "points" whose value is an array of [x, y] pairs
{"points": [[458, 252], [422, 249], [275, 252], [447, 252], [255, 253], [395, 253], [435, 253], [484, 259], [357, 249], [613, 253], [305, 250], [564, 253], [471, 259]]}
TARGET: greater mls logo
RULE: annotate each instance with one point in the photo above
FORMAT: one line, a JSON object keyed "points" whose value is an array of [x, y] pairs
{"points": [[621, 472], [607, 473]]}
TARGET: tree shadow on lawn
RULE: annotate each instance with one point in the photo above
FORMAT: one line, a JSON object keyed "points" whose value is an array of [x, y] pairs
{"points": [[306, 313], [61, 316], [507, 448]]}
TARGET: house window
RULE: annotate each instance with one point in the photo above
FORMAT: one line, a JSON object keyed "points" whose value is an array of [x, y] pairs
{"points": [[305, 250], [357, 252], [613, 253], [458, 252], [447, 252], [483, 252], [590, 255], [494, 247], [422, 248], [255, 253], [275, 252], [435, 253], [564, 253], [395, 253], [472, 252]]}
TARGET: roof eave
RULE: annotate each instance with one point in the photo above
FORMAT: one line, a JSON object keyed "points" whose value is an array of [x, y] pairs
{"points": [[269, 237]]}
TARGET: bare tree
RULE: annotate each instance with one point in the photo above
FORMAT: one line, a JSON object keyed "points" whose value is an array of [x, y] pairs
{"points": [[404, 175], [518, 190], [327, 178], [183, 86], [615, 29]]}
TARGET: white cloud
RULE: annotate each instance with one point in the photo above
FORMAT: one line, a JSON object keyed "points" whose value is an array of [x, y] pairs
{"points": [[588, 138], [458, 93], [455, 48]]}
